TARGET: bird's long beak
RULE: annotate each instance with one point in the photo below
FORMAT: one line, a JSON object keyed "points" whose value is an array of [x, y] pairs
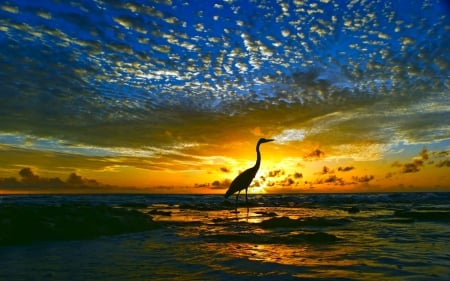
{"points": [[270, 140]]}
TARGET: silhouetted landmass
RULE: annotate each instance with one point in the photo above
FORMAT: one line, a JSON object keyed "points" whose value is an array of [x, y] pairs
{"points": [[24, 224]]}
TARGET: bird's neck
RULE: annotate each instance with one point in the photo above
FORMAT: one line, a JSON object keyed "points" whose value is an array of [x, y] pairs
{"points": [[258, 156]]}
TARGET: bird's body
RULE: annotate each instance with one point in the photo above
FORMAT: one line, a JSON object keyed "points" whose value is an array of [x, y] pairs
{"points": [[244, 179]]}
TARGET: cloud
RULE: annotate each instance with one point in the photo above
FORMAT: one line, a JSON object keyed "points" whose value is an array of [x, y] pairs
{"points": [[202, 185], [288, 182], [412, 167], [325, 170], [257, 132], [438, 157], [417, 163], [224, 184], [290, 135], [330, 179], [224, 169], [275, 180], [28, 176], [441, 153], [363, 179], [32, 182], [75, 179], [424, 154], [162, 95], [216, 184], [345, 169], [443, 163], [315, 154], [275, 173], [423, 158]]}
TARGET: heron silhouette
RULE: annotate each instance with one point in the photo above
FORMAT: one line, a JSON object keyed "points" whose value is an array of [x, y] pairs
{"points": [[243, 180]]}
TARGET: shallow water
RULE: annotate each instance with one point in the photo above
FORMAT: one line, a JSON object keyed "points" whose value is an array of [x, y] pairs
{"points": [[309, 237]]}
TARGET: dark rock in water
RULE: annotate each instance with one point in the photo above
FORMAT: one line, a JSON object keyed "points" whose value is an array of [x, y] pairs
{"points": [[134, 205], [314, 222], [399, 220], [160, 213], [319, 237], [424, 215], [324, 222], [279, 222], [267, 214], [22, 224], [353, 210]]}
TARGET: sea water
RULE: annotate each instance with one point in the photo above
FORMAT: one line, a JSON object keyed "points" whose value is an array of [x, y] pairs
{"points": [[395, 236]]}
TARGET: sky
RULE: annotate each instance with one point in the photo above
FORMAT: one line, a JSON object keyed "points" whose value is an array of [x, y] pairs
{"points": [[171, 96]]}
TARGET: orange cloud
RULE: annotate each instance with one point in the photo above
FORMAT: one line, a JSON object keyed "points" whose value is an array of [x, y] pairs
{"points": [[345, 169], [315, 154], [417, 163], [444, 163], [365, 178], [275, 173], [257, 132], [325, 170], [331, 179], [220, 184], [424, 153], [412, 167], [225, 169]]}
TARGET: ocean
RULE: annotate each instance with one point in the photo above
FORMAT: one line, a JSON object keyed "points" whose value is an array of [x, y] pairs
{"points": [[390, 236]]}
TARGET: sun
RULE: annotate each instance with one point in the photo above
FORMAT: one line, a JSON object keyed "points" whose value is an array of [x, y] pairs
{"points": [[257, 190]]}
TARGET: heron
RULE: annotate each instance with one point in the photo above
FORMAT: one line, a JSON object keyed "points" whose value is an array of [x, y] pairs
{"points": [[243, 180]]}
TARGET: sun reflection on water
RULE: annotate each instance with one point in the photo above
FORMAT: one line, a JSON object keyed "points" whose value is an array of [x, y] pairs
{"points": [[243, 237]]}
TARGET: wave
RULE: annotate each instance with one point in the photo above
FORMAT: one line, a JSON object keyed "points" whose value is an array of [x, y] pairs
{"points": [[215, 202]]}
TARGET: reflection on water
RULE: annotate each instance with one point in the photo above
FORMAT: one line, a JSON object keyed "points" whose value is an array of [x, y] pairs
{"points": [[363, 239], [370, 244]]}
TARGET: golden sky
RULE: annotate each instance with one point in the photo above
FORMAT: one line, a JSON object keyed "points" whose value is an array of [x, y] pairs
{"points": [[172, 96]]}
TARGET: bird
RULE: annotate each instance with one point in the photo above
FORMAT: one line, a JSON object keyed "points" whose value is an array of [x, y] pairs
{"points": [[243, 180]]}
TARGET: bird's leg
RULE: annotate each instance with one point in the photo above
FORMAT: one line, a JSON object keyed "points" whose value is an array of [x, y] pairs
{"points": [[237, 195], [246, 199]]}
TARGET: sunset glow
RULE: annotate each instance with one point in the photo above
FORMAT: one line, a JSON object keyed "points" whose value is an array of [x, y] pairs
{"points": [[172, 96]]}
